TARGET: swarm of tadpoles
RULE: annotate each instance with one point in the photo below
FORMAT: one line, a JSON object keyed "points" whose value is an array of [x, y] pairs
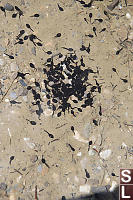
{"points": [[67, 86]]}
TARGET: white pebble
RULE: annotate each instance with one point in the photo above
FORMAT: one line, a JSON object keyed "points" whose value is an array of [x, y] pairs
{"points": [[6, 100], [105, 154], [113, 186], [124, 146], [92, 152], [29, 144], [79, 154], [78, 137], [85, 189], [128, 16]]}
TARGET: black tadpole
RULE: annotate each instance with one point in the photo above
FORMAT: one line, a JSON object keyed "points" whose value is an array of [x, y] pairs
{"points": [[63, 198], [94, 30], [35, 15], [11, 159], [68, 49], [31, 122], [99, 20], [58, 35], [11, 57], [104, 29], [20, 12], [48, 52], [20, 34], [72, 128], [14, 15], [28, 26], [90, 16], [32, 66], [117, 52], [19, 42], [49, 134], [60, 8], [87, 174], [3, 10]]}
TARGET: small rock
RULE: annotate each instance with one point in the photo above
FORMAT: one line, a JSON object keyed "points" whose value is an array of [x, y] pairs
{"points": [[33, 50], [9, 7], [22, 83], [3, 186], [85, 189], [128, 16], [105, 154], [1, 62], [79, 154], [29, 144], [39, 168], [92, 152], [34, 158], [13, 95]]}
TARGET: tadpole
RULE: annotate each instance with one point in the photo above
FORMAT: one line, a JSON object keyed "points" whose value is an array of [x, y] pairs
{"points": [[31, 122], [60, 8], [29, 27]]}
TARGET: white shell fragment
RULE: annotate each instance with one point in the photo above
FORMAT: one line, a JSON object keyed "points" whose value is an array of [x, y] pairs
{"points": [[85, 189], [105, 154], [128, 16], [78, 137], [29, 144]]}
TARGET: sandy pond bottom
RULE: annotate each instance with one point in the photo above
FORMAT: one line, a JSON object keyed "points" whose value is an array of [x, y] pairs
{"points": [[46, 156]]}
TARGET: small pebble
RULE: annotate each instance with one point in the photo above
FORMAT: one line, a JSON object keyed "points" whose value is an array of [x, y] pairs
{"points": [[85, 189], [105, 154], [39, 168], [22, 83], [6, 100], [13, 95], [128, 16], [79, 154], [92, 152], [9, 7]]}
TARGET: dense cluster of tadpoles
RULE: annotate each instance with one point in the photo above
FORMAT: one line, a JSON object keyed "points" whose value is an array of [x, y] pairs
{"points": [[67, 85], [67, 82]]}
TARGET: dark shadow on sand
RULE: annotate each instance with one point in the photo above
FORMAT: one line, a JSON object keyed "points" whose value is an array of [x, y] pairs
{"points": [[100, 196]]}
